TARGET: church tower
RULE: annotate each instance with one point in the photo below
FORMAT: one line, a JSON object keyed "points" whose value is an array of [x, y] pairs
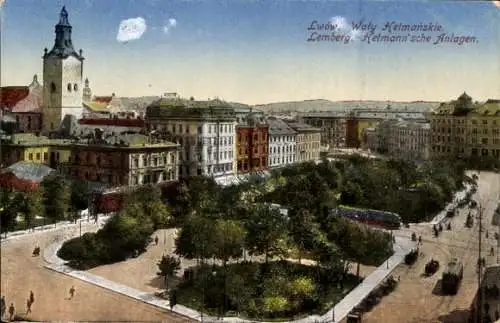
{"points": [[87, 91], [62, 78]]}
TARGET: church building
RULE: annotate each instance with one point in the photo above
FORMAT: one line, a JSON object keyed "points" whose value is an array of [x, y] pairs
{"points": [[62, 78]]}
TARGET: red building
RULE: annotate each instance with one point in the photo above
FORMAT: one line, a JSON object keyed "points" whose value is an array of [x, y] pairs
{"points": [[24, 103], [24, 176], [352, 139], [252, 139]]}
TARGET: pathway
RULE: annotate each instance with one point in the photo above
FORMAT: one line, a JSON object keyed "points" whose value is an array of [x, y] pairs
{"points": [[344, 307]]}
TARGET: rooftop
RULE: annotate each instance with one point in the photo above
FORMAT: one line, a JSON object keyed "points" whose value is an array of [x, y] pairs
{"points": [[27, 139], [463, 106], [11, 95], [112, 122], [128, 141], [279, 127], [302, 127], [177, 108], [29, 171], [101, 107]]}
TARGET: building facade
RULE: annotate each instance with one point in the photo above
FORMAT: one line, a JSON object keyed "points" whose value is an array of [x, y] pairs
{"points": [[332, 125], [252, 142], [35, 149], [204, 129], [369, 141], [282, 143], [308, 145], [463, 129], [24, 104], [62, 78], [408, 140], [126, 160], [346, 128]]}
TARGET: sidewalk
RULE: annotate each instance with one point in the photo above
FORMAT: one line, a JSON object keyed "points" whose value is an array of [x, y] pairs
{"points": [[344, 307], [51, 227]]}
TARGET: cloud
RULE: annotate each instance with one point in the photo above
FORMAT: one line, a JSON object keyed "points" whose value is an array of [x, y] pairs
{"points": [[340, 22], [172, 23], [131, 29], [1, 3]]}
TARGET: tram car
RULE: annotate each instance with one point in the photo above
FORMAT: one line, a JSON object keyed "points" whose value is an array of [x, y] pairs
{"points": [[383, 219]]}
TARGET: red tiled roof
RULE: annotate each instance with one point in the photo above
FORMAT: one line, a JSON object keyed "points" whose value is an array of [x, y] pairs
{"points": [[11, 95], [30, 104], [103, 99], [113, 122]]}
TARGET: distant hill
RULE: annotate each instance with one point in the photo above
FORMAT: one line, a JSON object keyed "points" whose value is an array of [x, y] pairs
{"points": [[326, 105]]}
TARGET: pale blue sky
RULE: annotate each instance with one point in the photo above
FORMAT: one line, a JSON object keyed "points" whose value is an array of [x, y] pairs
{"points": [[257, 51]]}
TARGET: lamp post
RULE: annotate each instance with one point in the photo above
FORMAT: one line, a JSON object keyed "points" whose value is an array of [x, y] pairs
{"points": [[480, 266]]}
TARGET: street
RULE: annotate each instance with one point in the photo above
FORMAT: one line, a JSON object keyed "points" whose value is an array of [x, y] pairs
{"points": [[21, 273], [418, 299]]}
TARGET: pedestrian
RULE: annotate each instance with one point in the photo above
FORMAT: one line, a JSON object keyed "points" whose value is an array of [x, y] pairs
{"points": [[72, 292], [32, 297], [28, 306], [11, 311], [173, 300], [3, 307], [420, 240], [156, 240]]}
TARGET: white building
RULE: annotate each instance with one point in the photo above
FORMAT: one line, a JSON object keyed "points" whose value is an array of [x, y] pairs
{"points": [[282, 143], [62, 78], [403, 139], [204, 129]]}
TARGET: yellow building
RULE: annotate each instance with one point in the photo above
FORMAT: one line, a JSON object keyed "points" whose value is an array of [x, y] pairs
{"points": [[35, 149], [462, 128], [365, 124]]}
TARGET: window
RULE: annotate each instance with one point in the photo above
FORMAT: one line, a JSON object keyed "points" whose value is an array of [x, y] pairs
{"points": [[45, 156], [75, 87], [52, 88], [29, 122], [136, 163], [30, 156], [69, 87], [37, 156], [200, 129]]}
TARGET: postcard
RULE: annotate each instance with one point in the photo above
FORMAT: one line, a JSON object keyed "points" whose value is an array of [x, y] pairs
{"points": [[244, 161]]}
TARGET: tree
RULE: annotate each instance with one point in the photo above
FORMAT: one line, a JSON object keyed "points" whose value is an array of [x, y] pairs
{"points": [[229, 240], [30, 206], [126, 234], [300, 289], [196, 238], [79, 196], [266, 228], [8, 210], [55, 197], [149, 200], [168, 266]]}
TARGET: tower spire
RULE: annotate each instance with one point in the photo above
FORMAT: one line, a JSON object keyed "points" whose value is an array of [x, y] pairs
{"points": [[63, 17], [63, 44]]}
